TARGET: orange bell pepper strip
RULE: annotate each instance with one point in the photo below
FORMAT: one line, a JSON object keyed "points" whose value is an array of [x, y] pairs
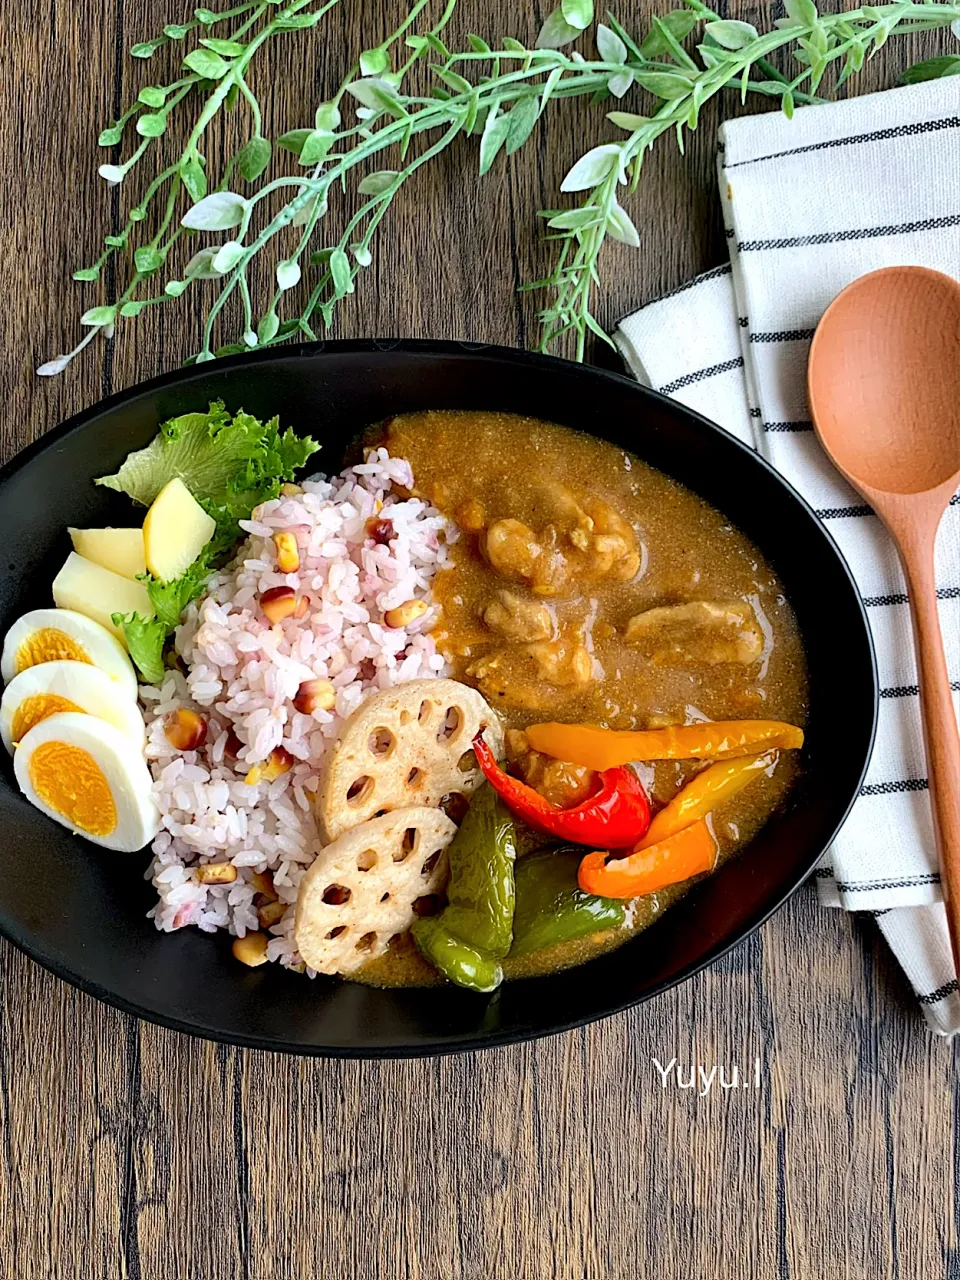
{"points": [[703, 793], [597, 748], [679, 856]]}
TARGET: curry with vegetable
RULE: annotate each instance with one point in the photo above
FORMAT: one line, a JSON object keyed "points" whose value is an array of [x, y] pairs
{"points": [[648, 673]]}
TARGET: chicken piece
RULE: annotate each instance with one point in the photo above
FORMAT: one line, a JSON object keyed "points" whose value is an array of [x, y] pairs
{"points": [[562, 663], [470, 516], [701, 631], [516, 619], [558, 781], [512, 548], [612, 551], [531, 676]]}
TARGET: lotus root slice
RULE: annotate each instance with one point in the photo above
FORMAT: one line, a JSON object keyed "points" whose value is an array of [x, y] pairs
{"points": [[363, 889], [411, 745]]}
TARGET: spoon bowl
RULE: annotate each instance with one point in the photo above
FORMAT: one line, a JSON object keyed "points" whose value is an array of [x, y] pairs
{"points": [[884, 391], [885, 380]]}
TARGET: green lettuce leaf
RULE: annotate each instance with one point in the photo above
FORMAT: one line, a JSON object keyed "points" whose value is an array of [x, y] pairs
{"points": [[169, 599], [230, 464], [233, 463], [145, 639]]}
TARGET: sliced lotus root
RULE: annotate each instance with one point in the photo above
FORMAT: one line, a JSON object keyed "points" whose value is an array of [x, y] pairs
{"points": [[363, 889], [405, 746]]}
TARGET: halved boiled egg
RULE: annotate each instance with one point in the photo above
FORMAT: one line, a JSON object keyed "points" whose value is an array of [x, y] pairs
{"points": [[54, 635], [53, 687], [81, 772]]}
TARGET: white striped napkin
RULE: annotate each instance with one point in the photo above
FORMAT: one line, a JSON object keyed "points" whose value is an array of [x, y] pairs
{"points": [[809, 205]]}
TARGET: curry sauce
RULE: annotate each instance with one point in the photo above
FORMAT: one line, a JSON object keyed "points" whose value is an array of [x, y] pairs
{"points": [[586, 586]]}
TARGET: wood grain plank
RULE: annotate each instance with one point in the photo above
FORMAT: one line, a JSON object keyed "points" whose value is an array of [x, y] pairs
{"points": [[127, 1150]]}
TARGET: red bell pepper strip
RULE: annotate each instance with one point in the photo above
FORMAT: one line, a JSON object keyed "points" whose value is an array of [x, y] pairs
{"points": [[616, 817]]}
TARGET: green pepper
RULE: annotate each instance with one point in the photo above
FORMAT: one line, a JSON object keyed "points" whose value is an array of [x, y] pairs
{"points": [[552, 908], [456, 960], [474, 931]]}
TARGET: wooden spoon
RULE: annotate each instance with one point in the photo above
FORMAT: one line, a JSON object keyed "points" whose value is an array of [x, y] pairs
{"points": [[884, 388]]}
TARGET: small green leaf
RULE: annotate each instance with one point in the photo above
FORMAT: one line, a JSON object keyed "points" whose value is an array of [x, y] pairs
{"points": [[228, 48], [151, 126], [316, 146], [148, 48], [227, 256], [554, 34], [110, 136], [115, 242], [99, 316], [131, 309], [340, 271], [519, 123], [802, 13], [626, 120], [194, 179], [664, 84], [578, 13], [374, 184], [175, 30], [294, 140], [478, 44], [492, 139], [217, 212], [206, 16], [620, 226], [298, 21], [268, 326], [609, 45], [327, 117], [207, 64], [87, 273], [147, 260], [731, 34], [374, 93], [362, 254], [288, 275], [254, 158], [932, 69], [458, 83], [152, 96], [374, 61], [591, 169], [618, 85], [514, 45], [175, 287], [679, 23], [574, 219]]}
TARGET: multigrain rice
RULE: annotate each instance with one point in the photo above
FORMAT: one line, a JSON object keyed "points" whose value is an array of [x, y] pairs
{"points": [[242, 675]]}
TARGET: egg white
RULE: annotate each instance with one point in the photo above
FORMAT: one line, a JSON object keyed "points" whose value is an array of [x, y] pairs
{"points": [[123, 769], [88, 688], [102, 648]]}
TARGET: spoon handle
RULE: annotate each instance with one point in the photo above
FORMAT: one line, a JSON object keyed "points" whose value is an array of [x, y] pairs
{"points": [[941, 738]]}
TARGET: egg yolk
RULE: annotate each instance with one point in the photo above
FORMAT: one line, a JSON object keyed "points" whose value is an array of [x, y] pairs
{"points": [[49, 645], [68, 779], [36, 708]]}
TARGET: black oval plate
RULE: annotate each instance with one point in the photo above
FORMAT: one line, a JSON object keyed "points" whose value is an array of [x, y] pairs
{"points": [[80, 911]]}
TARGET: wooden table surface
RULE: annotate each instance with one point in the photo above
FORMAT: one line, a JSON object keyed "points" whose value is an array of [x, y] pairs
{"points": [[130, 1151]]}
